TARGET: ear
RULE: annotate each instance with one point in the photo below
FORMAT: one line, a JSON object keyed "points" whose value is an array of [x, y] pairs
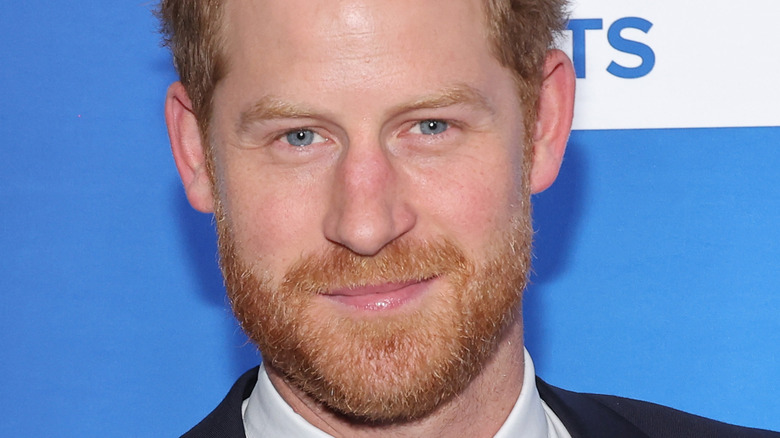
{"points": [[553, 123], [188, 148]]}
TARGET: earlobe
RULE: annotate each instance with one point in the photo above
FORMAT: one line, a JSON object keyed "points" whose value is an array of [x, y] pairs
{"points": [[188, 149], [554, 117]]}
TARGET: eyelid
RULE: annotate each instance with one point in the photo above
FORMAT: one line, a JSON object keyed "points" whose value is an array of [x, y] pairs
{"points": [[449, 122], [282, 136]]}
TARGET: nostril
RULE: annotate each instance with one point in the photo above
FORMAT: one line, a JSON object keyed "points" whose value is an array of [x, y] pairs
{"points": [[363, 228], [366, 226]]}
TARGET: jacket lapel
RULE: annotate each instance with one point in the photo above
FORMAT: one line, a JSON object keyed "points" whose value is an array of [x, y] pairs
{"points": [[584, 416]]}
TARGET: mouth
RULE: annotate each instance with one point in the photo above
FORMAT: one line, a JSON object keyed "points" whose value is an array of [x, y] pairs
{"points": [[381, 297]]}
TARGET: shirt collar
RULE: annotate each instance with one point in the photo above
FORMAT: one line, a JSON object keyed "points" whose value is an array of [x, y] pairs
{"points": [[531, 417], [266, 413]]}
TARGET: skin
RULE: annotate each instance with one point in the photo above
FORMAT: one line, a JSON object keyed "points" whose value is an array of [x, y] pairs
{"points": [[362, 75]]}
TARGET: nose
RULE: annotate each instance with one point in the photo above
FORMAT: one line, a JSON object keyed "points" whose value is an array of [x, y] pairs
{"points": [[367, 208]]}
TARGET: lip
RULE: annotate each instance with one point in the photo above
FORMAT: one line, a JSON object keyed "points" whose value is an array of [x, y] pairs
{"points": [[382, 297]]}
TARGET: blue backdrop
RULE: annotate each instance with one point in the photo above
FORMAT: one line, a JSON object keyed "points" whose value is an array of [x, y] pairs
{"points": [[656, 263]]}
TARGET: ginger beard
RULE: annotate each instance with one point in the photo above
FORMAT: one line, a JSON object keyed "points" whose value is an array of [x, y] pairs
{"points": [[382, 368]]}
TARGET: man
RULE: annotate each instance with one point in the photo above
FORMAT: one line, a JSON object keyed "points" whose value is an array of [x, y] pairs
{"points": [[370, 163]]}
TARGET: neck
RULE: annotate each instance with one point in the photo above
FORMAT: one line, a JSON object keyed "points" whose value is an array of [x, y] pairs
{"points": [[478, 412]]}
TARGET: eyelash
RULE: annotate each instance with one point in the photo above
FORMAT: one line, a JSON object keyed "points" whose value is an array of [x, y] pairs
{"points": [[283, 136], [441, 123], [450, 124]]}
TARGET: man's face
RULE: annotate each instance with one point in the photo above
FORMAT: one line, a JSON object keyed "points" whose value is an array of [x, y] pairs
{"points": [[372, 208]]}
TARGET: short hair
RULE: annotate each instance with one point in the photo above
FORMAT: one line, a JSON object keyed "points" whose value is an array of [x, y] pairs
{"points": [[521, 32]]}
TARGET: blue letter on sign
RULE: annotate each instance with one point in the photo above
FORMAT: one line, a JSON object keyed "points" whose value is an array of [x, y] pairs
{"points": [[578, 28], [633, 47]]}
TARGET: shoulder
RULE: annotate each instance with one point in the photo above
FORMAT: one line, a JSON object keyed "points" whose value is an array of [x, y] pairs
{"points": [[226, 420], [586, 415]]}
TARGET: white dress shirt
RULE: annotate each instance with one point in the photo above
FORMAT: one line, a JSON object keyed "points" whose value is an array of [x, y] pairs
{"points": [[266, 414]]}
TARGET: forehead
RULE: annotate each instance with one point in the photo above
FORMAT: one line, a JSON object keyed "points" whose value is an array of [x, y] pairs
{"points": [[355, 61], [336, 18], [300, 32]]}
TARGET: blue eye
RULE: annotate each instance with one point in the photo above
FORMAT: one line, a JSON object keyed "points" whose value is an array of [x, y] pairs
{"points": [[301, 137], [432, 127]]}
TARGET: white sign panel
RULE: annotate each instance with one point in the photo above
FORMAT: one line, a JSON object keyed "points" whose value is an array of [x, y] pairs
{"points": [[675, 64]]}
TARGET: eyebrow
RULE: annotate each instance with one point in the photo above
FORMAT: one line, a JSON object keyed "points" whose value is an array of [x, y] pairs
{"points": [[271, 107], [460, 94]]}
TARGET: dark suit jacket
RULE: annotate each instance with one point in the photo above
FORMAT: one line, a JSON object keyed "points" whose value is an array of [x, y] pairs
{"points": [[584, 415]]}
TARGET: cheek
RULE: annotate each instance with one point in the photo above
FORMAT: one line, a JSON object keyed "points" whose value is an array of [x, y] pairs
{"points": [[271, 215], [475, 201]]}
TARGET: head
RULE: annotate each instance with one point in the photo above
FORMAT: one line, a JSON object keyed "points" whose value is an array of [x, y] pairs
{"points": [[370, 165]]}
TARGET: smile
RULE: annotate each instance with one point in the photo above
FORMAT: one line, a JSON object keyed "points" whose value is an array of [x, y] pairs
{"points": [[376, 298]]}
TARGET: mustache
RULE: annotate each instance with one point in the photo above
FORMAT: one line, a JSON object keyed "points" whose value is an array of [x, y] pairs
{"points": [[399, 261]]}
